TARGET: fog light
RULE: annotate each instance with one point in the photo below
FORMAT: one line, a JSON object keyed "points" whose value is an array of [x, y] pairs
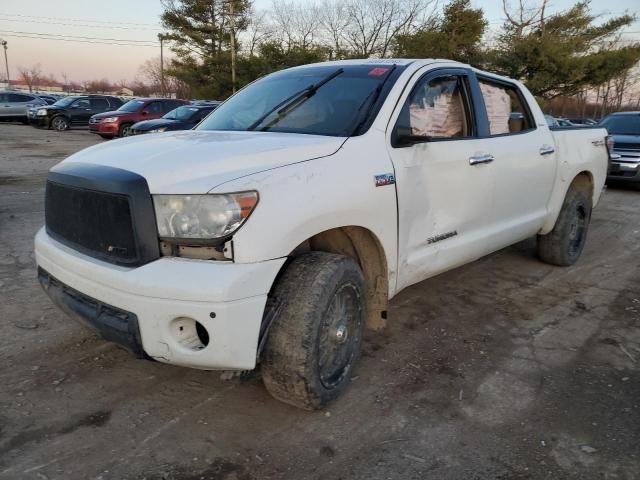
{"points": [[189, 333]]}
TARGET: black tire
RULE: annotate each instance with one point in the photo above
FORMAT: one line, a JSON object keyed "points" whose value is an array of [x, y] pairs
{"points": [[106, 137], [314, 343], [563, 245], [124, 130], [59, 123]]}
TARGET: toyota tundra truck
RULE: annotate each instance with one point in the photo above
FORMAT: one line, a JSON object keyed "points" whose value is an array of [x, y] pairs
{"points": [[273, 233]]}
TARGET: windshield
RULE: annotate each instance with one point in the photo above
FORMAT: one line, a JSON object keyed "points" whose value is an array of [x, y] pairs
{"points": [[334, 109], [181, 113], [622, 124], [131, 106], [66, 101]]}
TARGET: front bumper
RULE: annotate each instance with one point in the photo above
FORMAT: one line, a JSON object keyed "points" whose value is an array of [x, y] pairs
{"points": [[42, 122], [107, 129], [626, 168], [227, 299]]}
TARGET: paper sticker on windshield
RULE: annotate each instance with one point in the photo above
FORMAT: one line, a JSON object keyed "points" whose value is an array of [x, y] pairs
{"points": [[378, 71]]}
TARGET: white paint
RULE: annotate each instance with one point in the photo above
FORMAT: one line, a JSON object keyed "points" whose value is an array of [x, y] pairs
{"points": [[309, 184]]}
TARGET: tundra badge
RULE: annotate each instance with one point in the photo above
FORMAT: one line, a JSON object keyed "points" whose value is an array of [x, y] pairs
{"points": [[385, 179]]}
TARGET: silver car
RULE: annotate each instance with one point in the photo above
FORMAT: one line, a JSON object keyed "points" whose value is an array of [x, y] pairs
{"points": [[14, 105]]}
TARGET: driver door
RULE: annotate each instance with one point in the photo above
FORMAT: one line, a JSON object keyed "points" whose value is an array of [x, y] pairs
{"points": [[444, 176], [81, 111]]}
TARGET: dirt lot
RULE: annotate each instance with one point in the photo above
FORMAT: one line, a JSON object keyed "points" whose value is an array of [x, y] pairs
{"points": [[504, 369]]}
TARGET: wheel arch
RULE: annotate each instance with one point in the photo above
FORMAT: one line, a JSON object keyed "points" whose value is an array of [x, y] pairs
{"points": [[364, 247], [583, 181]]}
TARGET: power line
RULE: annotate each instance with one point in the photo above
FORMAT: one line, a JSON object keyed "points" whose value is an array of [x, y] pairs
{"points": [[12, 35], [79, 24], [77, 19], [80, 37]]}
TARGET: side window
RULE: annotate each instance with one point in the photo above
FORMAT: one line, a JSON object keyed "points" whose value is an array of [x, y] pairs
{"points": [[82, 103], [99, 104], [437, 108], [3, 97], [505, 108], [17, 98], [154, 107]]}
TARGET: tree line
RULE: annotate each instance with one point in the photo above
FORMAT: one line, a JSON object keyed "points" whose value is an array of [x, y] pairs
{"points": [[221, 45]]}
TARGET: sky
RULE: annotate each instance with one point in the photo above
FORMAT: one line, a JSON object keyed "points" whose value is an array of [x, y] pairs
{"points": [[132, 27]]}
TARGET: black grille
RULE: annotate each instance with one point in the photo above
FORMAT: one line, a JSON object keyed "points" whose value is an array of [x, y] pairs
{"points": [[626, 146], [96, 223], [103, 212]]}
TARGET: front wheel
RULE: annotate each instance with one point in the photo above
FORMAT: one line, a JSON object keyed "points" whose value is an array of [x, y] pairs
{"points": [[563, 245], [125, 130], [59, 124], [315, 341]]}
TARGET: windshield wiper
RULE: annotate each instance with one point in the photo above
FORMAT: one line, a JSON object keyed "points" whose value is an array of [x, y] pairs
{"points": [[295, 100], [372, 98]]}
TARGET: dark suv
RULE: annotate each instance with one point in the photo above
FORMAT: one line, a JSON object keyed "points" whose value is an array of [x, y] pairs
{"points": [[71, 111], [118, 123]]}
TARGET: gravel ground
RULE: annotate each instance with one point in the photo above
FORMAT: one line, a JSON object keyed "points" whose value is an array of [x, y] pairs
{"points": [[506, 368]]}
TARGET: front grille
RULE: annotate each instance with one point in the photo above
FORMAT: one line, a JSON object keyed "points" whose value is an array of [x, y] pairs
{"points": [[626, 146], [96, 223], [103, 212]]}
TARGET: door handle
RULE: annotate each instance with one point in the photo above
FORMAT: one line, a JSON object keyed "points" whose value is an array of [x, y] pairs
{"points": [[547, 150], [479, 159]]}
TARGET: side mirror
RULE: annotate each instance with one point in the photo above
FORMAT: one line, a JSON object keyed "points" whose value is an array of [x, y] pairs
{"points": [[403, 137], [75, 106], [145, 112]]}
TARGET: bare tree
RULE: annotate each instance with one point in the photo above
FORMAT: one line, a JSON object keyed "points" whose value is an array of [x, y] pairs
{"points": [[297, 23], [258, 31], [31, 76], [334, 20], [524, 15], [373, 24]]}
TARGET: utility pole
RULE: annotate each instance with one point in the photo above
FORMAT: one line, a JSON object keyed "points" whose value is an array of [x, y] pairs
{"points": [[232, 43], [161, 37], [6, 62]]}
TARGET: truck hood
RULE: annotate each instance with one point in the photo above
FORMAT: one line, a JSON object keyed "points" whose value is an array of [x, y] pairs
{"points": [[192, 162]]}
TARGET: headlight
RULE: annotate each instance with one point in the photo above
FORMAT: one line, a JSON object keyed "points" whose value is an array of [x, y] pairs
{"points": [[202, 217], [109, 119], [157, 130], [41, 113]]}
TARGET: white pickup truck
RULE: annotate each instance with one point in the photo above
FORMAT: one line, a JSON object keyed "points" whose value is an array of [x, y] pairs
{"points": [[278, 228]]}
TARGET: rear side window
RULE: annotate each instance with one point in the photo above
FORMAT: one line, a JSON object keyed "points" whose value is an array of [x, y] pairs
{"points": [[437, 108], [99, 104], [16, 97], [506, 109], [154, 107]]}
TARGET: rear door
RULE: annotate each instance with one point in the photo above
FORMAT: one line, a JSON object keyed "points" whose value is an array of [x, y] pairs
{"points": [[17, 104], [80, 111], [524, 160], [444, 178], [4, 105], [99, 105]]}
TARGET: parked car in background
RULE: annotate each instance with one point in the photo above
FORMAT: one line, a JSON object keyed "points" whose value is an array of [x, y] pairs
{"points": [[590, 122], [552, 122], [624, 129], [181, 118], [286, 220], [118, 123], [14, 105], [71, 111], [50, 99], [563, 122]]}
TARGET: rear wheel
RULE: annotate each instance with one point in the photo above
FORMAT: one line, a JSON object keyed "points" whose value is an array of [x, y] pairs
{"points": [[563, 245], [315, 341], [60, 123], [125, 130]]}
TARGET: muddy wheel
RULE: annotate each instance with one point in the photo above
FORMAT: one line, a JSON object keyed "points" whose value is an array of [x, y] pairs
{"points": [[315, 341], [60, 124], [125, 130], [564, 244]]}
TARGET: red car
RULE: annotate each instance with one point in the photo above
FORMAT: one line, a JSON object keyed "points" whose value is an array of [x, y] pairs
{"points": [[118, 122]]}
